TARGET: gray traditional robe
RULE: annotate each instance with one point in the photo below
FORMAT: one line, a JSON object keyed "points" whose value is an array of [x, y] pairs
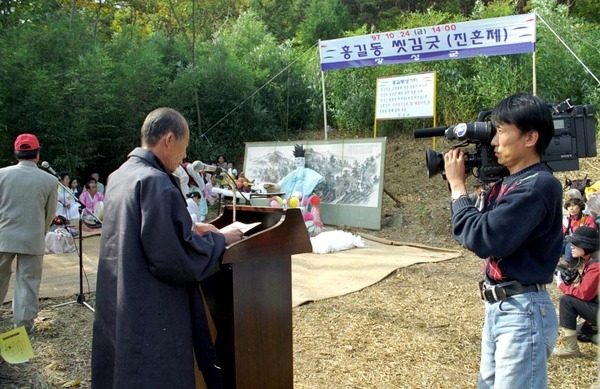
{"points": [[149, 314]]}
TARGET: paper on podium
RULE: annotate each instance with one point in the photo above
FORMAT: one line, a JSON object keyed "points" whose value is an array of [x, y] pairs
{"points": [[244, 227], [15, 346]]}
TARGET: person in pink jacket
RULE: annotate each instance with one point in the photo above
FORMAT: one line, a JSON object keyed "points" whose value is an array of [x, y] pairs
{"points": [[93, 201]]}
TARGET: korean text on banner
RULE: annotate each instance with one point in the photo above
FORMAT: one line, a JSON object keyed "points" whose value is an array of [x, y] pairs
{"points": [[496, 36]]}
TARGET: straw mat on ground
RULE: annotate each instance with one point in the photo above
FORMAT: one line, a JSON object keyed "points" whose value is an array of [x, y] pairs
{"points": [[319, 276]]}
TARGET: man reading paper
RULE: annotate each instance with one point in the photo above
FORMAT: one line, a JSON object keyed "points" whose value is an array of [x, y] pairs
{"points": [[150, 320]]}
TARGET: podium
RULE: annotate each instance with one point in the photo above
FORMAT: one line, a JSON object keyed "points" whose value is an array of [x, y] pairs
{"points": [[250, 299]]}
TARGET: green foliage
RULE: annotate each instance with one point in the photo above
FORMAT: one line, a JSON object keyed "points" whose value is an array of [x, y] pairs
{"points": [[588, 10], [494, 9], [560, 73], [15, 13], [324, 19], [34, 99], [280, 17], [251, 88]]}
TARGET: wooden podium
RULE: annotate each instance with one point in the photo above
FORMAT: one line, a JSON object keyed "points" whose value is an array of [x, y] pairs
{"points": [[250, 299]]}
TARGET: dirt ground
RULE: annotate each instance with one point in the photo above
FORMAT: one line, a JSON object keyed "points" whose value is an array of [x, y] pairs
{"points": [[418, 328]]}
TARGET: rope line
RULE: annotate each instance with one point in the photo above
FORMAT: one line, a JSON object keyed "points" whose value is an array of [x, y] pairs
{"points": [[568, 48], [255, 92]]}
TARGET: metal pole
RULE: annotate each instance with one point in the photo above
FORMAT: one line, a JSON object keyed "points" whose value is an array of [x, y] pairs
{"points": [[324, 103], [324, 99], [534, 74]]}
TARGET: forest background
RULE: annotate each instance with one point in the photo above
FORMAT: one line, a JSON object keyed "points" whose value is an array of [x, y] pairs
{"points": [[83, 74]]}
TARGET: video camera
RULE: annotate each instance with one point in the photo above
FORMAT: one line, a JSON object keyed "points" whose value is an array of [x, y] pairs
{"points": [[569, 276], [574, 138]]}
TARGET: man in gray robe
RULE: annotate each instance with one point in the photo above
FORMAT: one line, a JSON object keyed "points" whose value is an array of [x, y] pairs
{"points": [[150, 324]]}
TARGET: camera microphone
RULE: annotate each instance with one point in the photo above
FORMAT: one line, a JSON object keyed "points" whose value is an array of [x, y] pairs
{"points": [[430, 132], [483, 131], [47, 166]]}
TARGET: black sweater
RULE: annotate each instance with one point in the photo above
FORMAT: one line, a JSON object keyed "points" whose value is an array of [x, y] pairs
{"points": [[520, 229]]}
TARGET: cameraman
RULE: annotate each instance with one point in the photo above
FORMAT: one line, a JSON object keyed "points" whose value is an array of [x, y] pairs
{"points": [[519, 232], [581, 299]]}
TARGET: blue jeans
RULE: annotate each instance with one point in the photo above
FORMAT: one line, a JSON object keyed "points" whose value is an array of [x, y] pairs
{"points": [[519, 334], [567, 253]]}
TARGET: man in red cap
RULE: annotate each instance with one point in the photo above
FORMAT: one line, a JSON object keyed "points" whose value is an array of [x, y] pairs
{"points": [[28, 199]]}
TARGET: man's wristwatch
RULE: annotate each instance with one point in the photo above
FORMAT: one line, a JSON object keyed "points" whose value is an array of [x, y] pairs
{"points": [[458, 194]]}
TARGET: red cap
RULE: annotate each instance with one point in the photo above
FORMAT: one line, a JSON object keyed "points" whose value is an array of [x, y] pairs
{"points": [[26, 142]]}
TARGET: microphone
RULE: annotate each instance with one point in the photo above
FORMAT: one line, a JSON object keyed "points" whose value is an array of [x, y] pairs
{"points": [[47, 166], [201, 166], [430, 132]]}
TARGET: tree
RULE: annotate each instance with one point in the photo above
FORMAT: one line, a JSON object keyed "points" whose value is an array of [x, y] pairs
{"points": [[560, 73], [588, 10], [251, 87], [324, 19]]}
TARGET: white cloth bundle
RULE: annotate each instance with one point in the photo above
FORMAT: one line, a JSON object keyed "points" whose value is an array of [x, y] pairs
{"points": [[332, 241], [59, 241]]}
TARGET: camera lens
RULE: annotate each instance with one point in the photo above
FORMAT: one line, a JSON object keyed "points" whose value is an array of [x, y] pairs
{"points": [[434, 162]]}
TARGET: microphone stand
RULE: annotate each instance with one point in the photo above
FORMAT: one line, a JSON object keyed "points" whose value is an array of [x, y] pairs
{"points": [[233, 186], [81, 295]]}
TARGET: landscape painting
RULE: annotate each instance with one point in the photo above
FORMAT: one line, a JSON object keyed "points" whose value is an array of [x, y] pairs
{"points": [[352, 173]]}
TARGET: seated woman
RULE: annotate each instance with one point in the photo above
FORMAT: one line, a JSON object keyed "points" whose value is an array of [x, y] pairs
{"points": [[571, 222], [211, 196], [193, 202], [93, 202], [221, 162], [67, 206], [74, 186]]}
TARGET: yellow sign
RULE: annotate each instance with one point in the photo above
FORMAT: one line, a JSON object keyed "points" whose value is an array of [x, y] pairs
{"points": [[15, 346]]}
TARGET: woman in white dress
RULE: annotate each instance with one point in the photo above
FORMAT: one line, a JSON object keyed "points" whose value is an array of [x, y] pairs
{"points": [[67, 205], [193, 201]]}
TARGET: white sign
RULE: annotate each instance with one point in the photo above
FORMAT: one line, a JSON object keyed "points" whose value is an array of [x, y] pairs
{"points": [[401, 97], [495, 36]]}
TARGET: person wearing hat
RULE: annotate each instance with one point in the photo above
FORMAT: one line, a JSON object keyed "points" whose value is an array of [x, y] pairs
{"points": [[574, 219], [579, 300], [301, 181], [28, 199]]}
